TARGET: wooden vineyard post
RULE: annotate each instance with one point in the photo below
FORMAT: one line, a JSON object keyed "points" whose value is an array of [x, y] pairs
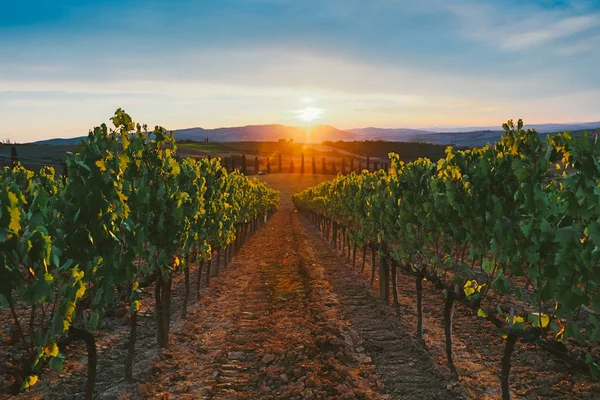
{"points": [[448, 317], [384, 273]]}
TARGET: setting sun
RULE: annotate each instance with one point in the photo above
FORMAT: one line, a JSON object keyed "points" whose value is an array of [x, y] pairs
{"points": [[310, 113]]}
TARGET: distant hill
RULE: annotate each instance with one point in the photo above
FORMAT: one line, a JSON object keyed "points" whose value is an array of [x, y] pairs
{"points": [[62, 142], [392, 135], [264, 133], [540, 128], [467, 137], [463, 137], [250, 133]]}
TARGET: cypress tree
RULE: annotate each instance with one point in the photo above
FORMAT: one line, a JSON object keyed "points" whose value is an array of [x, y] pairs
{"points": [[268, 165], [314, 166], [14, 157], [280, 163], [324, 167], [244, 168], [256, 165], [302, 164]]}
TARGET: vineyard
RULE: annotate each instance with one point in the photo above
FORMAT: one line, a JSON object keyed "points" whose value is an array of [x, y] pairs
{"points": [[139, 273], [128, 214], [509, 232]]}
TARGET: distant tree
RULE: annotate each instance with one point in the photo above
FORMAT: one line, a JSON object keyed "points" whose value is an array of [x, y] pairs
{"points": [[324, 167], [14, 157], [256, 165], [374, 166], [292, 167], [314, 166], [343, 166], [386, 167], [280, 169], [244, 167], [368, 163], [359, 165], [333, 171], [302, 164], [352, 165]]}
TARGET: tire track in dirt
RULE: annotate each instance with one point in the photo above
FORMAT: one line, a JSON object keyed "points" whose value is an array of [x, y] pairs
{"points": [[407, 370]]}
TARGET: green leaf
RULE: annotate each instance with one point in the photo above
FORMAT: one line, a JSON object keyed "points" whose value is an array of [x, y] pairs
{"points": [[56, 363], [526, 228]]}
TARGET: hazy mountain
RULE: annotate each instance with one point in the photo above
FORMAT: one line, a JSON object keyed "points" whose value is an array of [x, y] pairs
{"points": [[250, 133], [540, 128], [400, 134], [60, 142], [265, 133], [471, 136]]}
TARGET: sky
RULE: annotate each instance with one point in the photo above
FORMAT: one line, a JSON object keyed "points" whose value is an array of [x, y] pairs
{"points": [[66, 66]]}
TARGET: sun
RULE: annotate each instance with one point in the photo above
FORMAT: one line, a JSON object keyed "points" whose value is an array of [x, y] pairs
{"points": [[309, 114]]}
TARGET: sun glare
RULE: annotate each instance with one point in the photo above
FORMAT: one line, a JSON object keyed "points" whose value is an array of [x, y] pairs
{"points": [[309, 114]]}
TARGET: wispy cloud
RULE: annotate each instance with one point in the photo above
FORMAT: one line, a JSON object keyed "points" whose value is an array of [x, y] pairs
{"points": [[513, 28]]}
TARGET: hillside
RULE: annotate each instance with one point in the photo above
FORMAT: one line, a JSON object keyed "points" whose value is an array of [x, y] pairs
{"points": [[467, 137]]}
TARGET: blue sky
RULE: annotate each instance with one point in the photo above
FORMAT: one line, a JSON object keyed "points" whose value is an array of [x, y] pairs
{"points": [[67, 65]]}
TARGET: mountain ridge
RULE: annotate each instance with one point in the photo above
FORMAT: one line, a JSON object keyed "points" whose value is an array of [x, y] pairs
{"points": [[470, 136]]}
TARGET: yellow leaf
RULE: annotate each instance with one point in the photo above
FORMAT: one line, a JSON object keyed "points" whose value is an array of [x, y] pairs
{"points": [[69, 310], [77, 275], [15, 214], [470, 287], [123, 161], [545, 319], [101, 165], [135, 286], [51, 350], [481, 313], [80, 292], [30, 381], [136, 305], [516, 319]]}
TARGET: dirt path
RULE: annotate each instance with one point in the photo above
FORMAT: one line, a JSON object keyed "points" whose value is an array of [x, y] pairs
{"points": [[273, 327]]}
